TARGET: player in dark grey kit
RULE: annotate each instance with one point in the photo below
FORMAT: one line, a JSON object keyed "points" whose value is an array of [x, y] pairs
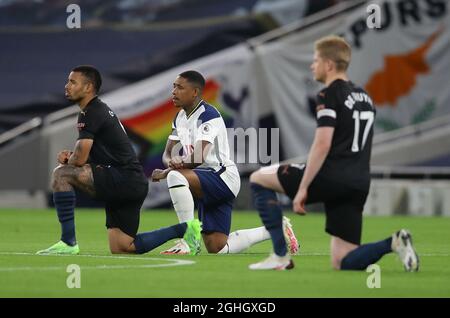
{"points": [[337, 172], [104, 165]]}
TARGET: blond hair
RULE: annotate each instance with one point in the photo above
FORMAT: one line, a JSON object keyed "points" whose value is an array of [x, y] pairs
{"points": [[336, 49]]}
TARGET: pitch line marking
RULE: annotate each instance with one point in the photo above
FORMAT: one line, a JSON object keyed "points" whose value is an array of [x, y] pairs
{"points": [[420, 254], [173, 262]]}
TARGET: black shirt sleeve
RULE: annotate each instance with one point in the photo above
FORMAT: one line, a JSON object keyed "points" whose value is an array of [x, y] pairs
{"points": [[90, 122], [326, 110]]}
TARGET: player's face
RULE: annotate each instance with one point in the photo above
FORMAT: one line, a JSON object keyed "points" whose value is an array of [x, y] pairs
{"points": [[183, 93], [76, 87], [318, 68]]}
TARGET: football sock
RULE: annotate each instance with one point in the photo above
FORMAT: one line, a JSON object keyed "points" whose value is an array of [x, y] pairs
{"points": [[366, 254], [266, 202], [65, 205], [243, 239], [181, 196], [147, 241]]}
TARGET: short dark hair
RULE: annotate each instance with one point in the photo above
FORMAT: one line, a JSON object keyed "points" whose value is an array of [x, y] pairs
{"points": [[92, 75], [195, 78]]}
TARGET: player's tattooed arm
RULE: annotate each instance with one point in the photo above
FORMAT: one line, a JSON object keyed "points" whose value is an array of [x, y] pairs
{"points": [[63, 156], [80, 154]]}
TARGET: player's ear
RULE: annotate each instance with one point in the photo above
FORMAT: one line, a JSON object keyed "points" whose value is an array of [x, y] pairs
{"points": [[89, 87], [197, 91], [331, 65]]}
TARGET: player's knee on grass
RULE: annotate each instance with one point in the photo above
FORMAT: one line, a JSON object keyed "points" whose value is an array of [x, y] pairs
{"points": [[120, 249], [119, 242], [115, 250], [336, 262], [214, 248], [339, 250], [215, 242], [336, 259]]}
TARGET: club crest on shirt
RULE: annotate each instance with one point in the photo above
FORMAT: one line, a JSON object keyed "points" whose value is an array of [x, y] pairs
{"points": [[206, 129], [80, 126]]}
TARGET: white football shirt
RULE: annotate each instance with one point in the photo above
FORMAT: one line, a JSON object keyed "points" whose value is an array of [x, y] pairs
{"points": [[205, 123]]}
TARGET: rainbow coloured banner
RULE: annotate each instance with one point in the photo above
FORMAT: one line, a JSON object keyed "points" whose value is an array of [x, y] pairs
{"points": [[146, 109]]}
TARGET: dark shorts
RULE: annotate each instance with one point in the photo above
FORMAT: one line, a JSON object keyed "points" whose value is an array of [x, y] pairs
{"points": [[214, 209], [123, 192], [343, 205]]}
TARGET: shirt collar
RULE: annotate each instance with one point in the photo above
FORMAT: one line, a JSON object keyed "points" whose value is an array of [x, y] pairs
{"points": [[195, 109]]}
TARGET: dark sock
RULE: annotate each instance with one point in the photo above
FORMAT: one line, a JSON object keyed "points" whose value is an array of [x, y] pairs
{"points": [[366, 255], [266, 202], [65, 205], [147, 241]]}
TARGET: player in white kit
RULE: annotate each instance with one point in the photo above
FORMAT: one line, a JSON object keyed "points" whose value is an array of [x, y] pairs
{"points": [[199, 170]]}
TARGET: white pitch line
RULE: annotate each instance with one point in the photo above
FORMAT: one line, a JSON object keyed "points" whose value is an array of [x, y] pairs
{"points": [[173, 262], [149, 258], [420, 254]]}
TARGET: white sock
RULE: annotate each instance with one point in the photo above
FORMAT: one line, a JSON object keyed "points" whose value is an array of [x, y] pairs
{"points": [[241, 240], [181, 196]]}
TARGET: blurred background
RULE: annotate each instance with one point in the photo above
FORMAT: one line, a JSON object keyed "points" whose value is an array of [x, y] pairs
{"points": [[255, 55]]}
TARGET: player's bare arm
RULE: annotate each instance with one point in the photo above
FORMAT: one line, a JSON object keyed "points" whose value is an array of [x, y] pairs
{"points": [[160, 174], [73, 171], [80, 154], [201, 150], [319, 151], [171, 147], [176, 162]]}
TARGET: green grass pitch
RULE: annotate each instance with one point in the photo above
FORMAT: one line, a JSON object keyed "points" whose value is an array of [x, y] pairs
{"points": [[22, 274]]}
